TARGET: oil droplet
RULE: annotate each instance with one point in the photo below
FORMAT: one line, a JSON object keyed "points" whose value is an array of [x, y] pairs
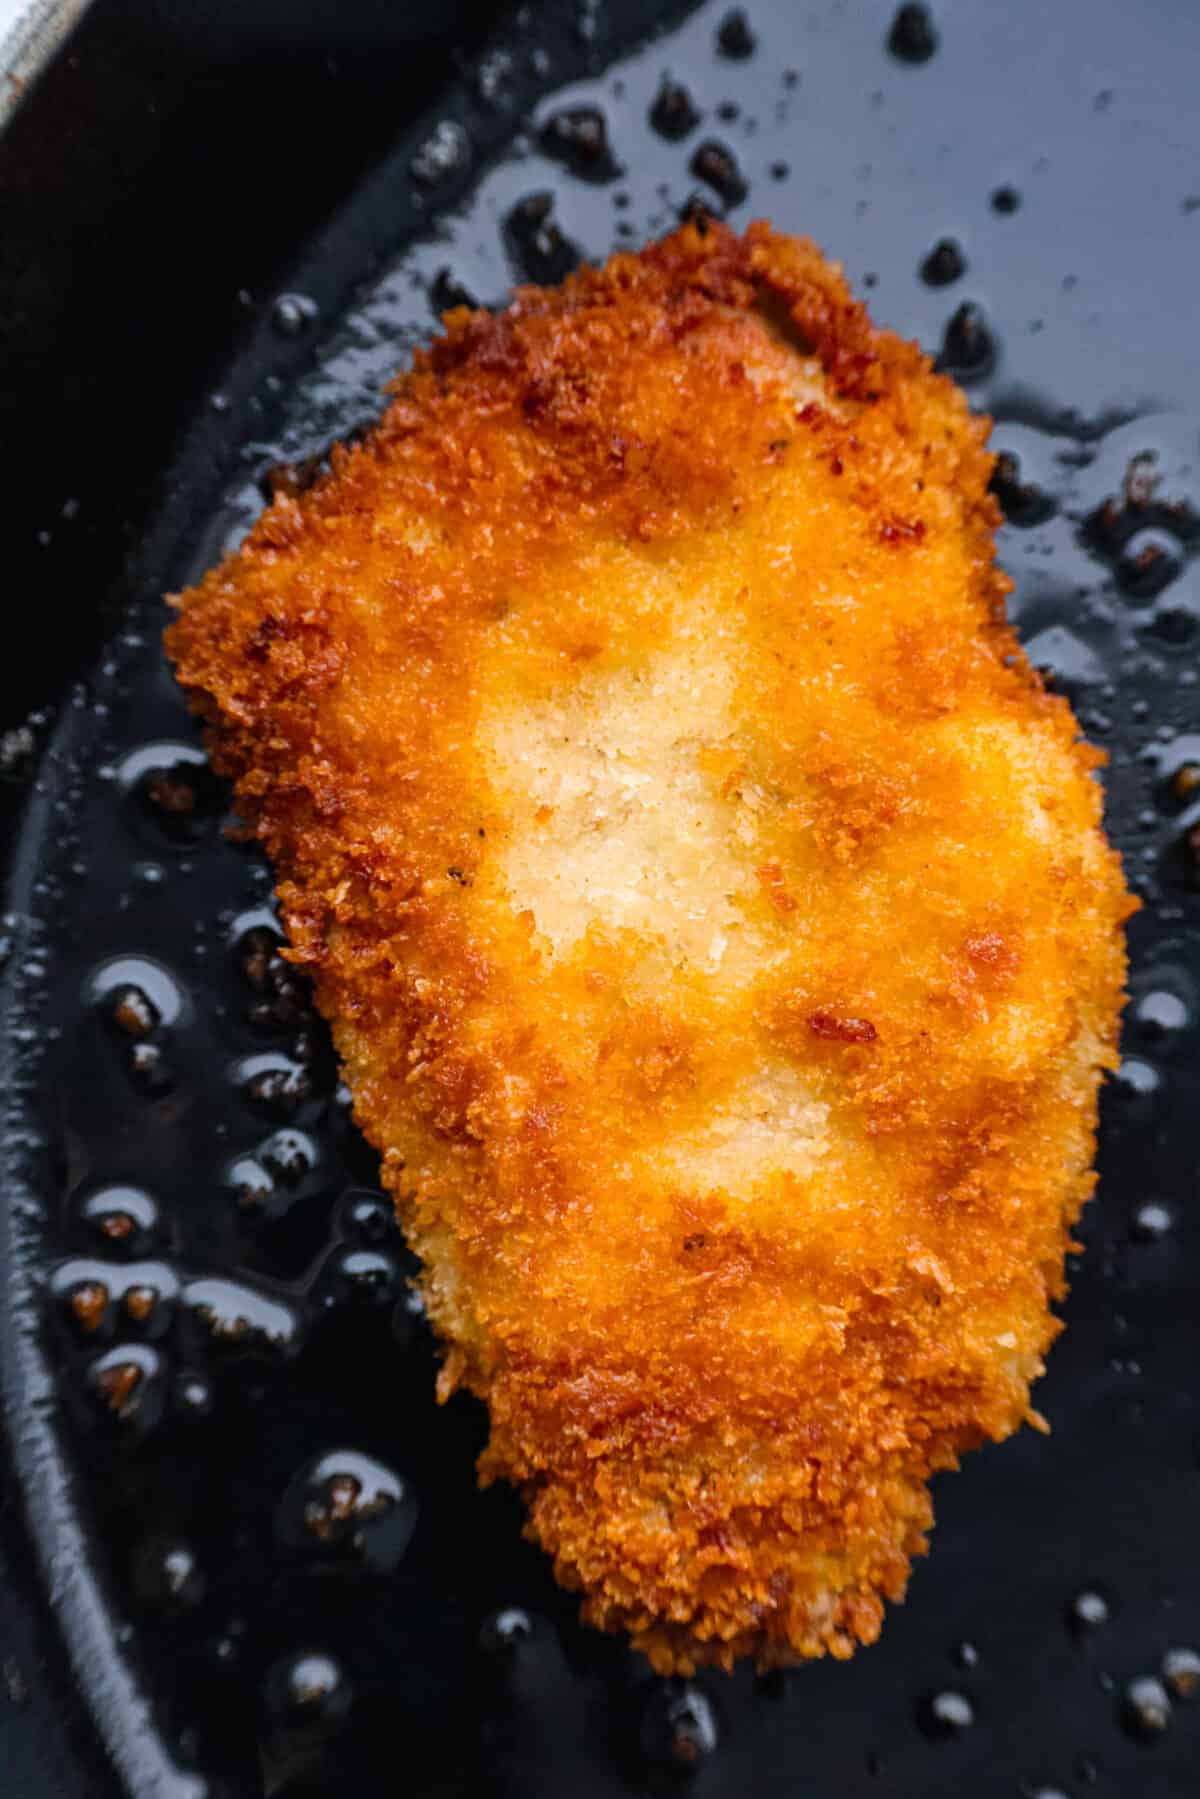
{"points": [[1145, 1708], [913, 37], [505, 1631], [1160, 1015], [1136, 1079], [1151, 1221], [945, 1714], [679, 1726], [1181, 1673], [292, 314], [167, 1575], [194, 1395], [308, 1691]]}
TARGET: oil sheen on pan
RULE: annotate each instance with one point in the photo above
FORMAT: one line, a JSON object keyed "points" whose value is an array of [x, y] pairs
{"points": [[711, 910]]}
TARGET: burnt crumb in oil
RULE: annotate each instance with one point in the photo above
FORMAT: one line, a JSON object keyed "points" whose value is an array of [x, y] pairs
{"points": [[1181, 1673], [279, 1092], [1145, 1708], [133, 1012], [673, 113], [182, 799], [1022, 503], [126, 1387], [944, 264], [281, 998], [348, 1509], [577, 136], [446, 292], [540, 248], [699, 210], [121, 1219], [716, 164], [913, 37], [88, 1308], [1148, 564], [291, 479], [968, 351], [149, 1070], [368, 1216], [735, 39]]}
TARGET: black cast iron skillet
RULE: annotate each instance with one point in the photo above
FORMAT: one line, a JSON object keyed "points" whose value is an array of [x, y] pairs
{"points": [[245, 1553]]}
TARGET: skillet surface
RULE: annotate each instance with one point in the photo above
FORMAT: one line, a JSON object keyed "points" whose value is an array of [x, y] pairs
{"points": [[263, 1543]]}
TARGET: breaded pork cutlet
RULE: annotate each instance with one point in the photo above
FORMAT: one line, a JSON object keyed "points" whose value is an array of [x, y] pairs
{"points": [[711, 910]]}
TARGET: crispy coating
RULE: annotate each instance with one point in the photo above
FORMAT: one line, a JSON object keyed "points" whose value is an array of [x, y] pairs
{"points": [[711, 909]]}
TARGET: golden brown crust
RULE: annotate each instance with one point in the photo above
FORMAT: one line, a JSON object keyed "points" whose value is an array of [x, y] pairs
{"points": [[721, 1356]]}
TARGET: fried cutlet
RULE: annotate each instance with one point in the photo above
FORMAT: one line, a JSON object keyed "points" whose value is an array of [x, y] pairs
{"points": [[711, 909]]}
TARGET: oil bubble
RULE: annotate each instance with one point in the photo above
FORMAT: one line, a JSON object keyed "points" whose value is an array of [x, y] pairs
{"points": [[166, 1574], [124, 1219], [679, 1726], [1181, 1673], [344, 1507], [308, 1691], [945, 1714], [504, 1631], [1145, 1708]]}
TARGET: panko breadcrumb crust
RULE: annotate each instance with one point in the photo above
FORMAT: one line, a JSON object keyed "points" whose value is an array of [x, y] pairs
{"points": [[742, 1164]]}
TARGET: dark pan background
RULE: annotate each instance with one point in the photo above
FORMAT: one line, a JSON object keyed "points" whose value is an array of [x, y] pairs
{"points": [[177, 170]]}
